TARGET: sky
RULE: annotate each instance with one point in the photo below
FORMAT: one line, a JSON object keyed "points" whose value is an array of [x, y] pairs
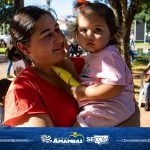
{"points": [[62, 7]]}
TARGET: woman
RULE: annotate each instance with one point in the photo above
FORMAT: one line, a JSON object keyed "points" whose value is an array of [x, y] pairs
{"points": [[38, 97]]}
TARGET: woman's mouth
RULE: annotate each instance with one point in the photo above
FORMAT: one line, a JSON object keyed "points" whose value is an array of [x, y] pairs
{"points": [[59, 49]]}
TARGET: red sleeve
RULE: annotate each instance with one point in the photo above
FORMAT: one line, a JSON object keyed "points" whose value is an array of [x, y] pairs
{"points": [[21, 99], [78, 63]]}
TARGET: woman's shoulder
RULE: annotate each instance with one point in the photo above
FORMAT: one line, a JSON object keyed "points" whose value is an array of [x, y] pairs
{"points": [[25, 77]]}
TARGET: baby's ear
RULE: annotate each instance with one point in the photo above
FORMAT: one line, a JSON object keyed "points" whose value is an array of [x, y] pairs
{"points": [[23, 48]]}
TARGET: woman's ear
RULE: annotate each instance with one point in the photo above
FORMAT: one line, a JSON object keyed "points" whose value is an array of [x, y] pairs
{"points": [[23, 48]]}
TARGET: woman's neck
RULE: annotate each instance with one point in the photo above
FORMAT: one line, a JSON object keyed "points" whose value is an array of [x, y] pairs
{"points": [[42, 70]]}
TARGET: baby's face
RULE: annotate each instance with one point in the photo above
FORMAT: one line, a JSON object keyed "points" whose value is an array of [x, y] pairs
{"points": [[93, 33]]}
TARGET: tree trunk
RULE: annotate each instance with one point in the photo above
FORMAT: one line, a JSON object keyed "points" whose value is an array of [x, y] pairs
{"points": [[18, 4], [125, 14]]}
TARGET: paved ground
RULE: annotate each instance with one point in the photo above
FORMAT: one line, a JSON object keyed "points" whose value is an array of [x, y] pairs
{"points": [[144, 116]]}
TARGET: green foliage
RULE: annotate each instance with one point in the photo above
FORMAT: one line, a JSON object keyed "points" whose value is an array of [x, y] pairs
{"points": [[6, 11], [144, 12]]}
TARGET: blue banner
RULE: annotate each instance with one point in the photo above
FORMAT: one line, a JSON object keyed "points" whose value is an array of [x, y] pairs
{"points": [[74, 138]]}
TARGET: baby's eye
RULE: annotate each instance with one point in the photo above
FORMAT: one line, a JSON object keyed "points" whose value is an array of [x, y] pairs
{"points": [[83, 30], [98, 30]]}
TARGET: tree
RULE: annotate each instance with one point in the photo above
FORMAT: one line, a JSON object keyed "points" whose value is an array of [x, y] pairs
{"points": [[8, 8], [18, 4], [125, 12], [6, 11], [144, 15]]}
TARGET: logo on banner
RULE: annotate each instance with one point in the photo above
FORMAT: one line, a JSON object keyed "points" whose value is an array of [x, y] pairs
{"points": [[73, 138], [98, 139], [46, 139]]}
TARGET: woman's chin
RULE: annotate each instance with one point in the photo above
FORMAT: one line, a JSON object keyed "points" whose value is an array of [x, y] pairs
{"points": [[61, 57]]}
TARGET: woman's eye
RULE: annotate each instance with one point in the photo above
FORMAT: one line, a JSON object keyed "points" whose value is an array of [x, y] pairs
{"points": [[57, 30], [47, 36], [98, 31]]}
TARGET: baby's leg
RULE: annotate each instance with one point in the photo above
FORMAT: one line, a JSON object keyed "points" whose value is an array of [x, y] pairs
{"points": [[98, 115]]}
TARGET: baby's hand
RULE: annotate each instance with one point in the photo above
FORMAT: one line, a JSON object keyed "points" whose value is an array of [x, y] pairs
{"points": [[79, 92]]}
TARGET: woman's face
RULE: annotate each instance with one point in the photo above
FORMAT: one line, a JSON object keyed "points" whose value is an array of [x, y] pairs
{"points": [[46, 46], [93, 33]]}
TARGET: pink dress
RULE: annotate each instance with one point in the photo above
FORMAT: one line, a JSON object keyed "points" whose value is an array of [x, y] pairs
{"points": [[108, 67]]}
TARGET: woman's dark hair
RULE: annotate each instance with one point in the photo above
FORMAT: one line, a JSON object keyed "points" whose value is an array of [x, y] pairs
{"points": [[23, 24], [12, 54], [4, 85], [103, 11]]}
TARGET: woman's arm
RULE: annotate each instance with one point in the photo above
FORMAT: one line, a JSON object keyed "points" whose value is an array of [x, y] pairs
{"points": [[99, 91], [33, 120]]}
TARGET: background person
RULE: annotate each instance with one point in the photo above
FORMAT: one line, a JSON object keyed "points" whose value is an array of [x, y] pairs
{"points": [[9, 65], [132, 45], [147, 88], [15, 58], [38, 97], [106, 91]]}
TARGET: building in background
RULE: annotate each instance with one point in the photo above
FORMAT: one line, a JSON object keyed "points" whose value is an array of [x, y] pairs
{"points": [[140, 31]]}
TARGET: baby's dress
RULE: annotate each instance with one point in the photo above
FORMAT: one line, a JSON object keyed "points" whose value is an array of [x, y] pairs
{"points": [[106, 67]]}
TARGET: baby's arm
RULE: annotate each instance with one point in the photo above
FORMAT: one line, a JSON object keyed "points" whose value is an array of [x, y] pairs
{"points": [[98, 91]]}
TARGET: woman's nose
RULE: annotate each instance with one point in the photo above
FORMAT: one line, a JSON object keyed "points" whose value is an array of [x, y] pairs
{"points": [[59, 36]]}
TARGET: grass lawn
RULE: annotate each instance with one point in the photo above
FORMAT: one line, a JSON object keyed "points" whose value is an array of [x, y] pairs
{"points": [[2, 50], [142, 44]]}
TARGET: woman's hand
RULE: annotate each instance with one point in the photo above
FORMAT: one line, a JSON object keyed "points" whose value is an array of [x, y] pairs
{"points": [[79, 92]]}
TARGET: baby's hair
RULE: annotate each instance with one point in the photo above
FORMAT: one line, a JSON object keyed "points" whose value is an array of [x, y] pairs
{"points": [[4, 85], [86, 8]]}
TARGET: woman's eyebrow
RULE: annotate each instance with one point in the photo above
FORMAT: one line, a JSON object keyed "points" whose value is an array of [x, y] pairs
{"points": [[44, 31]]}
